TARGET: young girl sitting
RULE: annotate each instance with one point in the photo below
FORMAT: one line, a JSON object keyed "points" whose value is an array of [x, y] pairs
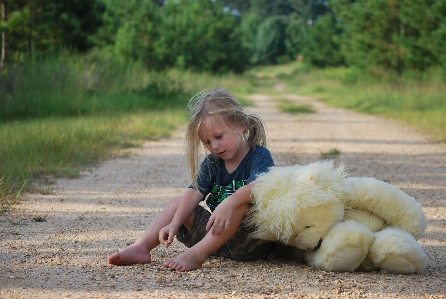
{"points": [[235, 142]]}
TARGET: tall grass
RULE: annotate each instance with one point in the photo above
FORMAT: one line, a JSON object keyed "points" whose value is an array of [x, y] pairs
{"points": [[59, 115], [77, 85], [74, 85], [35, 149]]}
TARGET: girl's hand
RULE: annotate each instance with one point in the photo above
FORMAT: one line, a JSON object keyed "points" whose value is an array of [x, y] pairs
{"points": [[167, 234], [220, 219]]}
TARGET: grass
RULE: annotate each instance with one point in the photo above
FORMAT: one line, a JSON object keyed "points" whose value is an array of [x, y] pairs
{"points": [[330, 154], [60, 115], [291, 107], [417, 99], [34, 150], [71, 86]]}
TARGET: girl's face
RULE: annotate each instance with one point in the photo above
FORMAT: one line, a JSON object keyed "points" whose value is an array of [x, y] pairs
{"points": [[222, 141]]}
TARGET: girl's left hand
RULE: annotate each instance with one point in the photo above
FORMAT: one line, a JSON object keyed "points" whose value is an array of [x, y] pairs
{"points": [[220, 219]]}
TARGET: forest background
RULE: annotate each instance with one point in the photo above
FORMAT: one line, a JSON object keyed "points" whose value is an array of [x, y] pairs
{"points": [[82, 79]]}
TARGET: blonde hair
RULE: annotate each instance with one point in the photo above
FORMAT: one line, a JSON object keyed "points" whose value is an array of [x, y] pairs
{"points": [[220, 104]]}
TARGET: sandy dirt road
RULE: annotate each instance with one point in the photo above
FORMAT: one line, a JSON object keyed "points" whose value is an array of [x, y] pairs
{"points": [[110, 205]]}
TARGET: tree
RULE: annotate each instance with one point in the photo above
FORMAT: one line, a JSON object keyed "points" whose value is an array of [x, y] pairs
{"points": [[270, 40], [130, 30], [199, 35], [15, 30], [394, 35], [73, 22], [34, 27], [436, 12], [250, 22], [2, 30], [296, 33], [322, 45], [276, 30]]}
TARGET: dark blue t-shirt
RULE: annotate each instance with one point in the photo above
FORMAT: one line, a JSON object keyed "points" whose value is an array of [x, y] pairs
{"points": [[216, 183]]}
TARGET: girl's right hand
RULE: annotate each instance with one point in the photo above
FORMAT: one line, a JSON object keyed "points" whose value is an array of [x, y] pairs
{"points": [[167, 234]]}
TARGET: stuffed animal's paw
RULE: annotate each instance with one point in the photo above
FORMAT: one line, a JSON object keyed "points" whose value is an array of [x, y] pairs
{"points": [[344, 247], [396, 251]]}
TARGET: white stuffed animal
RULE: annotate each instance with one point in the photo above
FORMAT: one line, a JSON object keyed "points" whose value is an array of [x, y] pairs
{"points": [[338, 223]]}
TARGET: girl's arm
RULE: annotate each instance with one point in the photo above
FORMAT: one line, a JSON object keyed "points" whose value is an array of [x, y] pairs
{"points": [[189, 201], [220, 218]]}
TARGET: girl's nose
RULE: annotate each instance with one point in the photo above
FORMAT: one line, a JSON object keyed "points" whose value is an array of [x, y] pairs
{"points": [[214, 145]]}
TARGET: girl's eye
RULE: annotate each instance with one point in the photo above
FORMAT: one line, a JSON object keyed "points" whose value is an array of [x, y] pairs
{"points": [[218, 137]]}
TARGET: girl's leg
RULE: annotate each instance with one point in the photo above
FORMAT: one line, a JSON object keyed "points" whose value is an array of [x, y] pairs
{"points": [[139, 252], [195, 256]]}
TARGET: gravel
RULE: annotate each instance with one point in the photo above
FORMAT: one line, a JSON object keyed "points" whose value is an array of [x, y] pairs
{"points": [[57, 245]]}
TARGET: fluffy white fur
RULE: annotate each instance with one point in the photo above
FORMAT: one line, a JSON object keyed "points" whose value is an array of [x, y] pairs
{"points": [[344, 248], [362, 222], [297, 204], [366, 218], [397, 251], [387, 202]]}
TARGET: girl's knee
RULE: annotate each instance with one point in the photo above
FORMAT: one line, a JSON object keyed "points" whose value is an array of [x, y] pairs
{"points": [[174, 201]]}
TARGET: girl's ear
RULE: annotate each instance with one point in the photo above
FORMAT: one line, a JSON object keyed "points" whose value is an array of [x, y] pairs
{"points": [[241, 128]]}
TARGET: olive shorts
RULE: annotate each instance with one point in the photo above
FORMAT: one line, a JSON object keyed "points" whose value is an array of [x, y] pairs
{"points": [[240, 247]]}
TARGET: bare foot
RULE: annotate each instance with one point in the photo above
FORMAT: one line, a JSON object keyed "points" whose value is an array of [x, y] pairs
{"points": [[134, 254], [186, 261]]}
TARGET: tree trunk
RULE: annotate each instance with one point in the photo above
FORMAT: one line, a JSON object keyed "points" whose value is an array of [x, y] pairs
{"points": [[30, 36], [3, 55]]}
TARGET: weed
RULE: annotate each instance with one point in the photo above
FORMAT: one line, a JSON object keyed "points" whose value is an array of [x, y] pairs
{"points": [[318, 89], [40, 218], [9, 194], [331, 154], [12, 222], [291, 107], [43, 185]]}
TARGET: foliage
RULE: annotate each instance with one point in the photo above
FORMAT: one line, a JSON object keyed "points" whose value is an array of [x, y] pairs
{"points": [[129, 31], [34, 28], [199, 35], [295, 36], [392, 35], [280, 37], [269, 41], [232, 35], [322, 45]]}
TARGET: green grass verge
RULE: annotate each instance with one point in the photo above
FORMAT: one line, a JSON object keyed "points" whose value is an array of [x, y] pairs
{"points": [[35, 149], [417, 99], [59, 115]]}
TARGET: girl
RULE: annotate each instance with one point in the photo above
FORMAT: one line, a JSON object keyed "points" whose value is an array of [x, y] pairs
{"points": [[235, 142]]}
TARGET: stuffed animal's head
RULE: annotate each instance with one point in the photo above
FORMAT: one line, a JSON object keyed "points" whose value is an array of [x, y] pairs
{"points": [[313, 224], [297, 204]]}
